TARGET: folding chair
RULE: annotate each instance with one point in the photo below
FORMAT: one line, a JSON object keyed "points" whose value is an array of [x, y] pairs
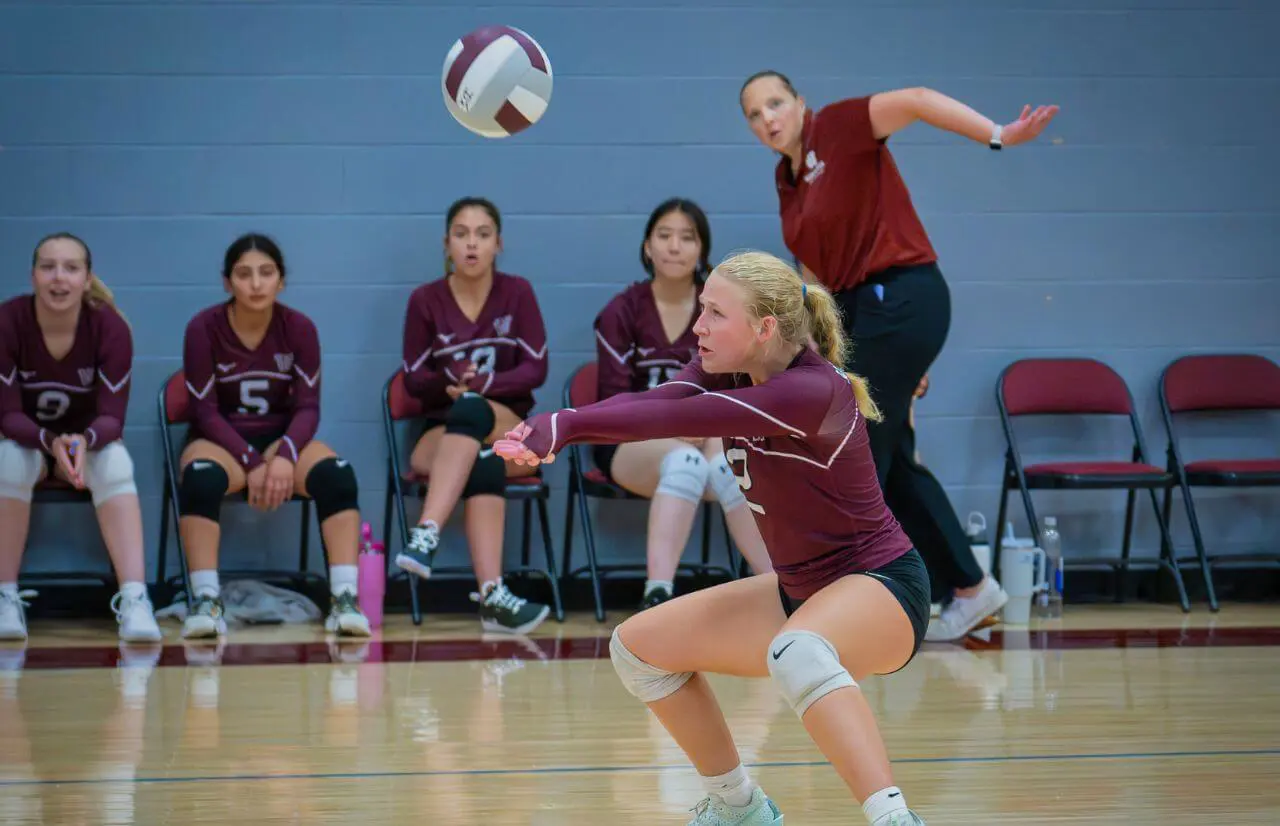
{"points": [[173, 408], [589, 482], [1224, 384], [1080, 387], [399, 407], [54, 491]]}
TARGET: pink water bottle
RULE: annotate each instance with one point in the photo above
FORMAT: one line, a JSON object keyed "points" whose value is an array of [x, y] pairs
{"points": [[373, 576]]}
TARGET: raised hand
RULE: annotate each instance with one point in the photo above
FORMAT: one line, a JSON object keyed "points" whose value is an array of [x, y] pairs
{"points": [[1028, 126]]}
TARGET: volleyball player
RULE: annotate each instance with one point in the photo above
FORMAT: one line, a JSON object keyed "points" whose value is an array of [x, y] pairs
{"points": [[850, 595], [66, 358], [644, 336], [252, 368], [475, 349], [848, 218]]}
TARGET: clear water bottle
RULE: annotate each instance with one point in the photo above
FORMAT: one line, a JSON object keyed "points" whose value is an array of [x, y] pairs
{"points": [[1050, 600]]}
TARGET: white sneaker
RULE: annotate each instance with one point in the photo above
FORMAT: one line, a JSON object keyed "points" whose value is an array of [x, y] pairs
{"points": [[205, 620], [136, 617], [907, 818], [713, 811], [965, 613], [13, 615], [345, 617]]}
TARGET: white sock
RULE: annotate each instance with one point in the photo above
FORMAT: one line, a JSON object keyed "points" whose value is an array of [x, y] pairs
{"points": [[343, 579], [735, 787], [9, 588], [205, 584], [884, 803], [650, 584], [133, 590]]}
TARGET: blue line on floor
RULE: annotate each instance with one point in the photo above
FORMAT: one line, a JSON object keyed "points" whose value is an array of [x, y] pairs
{"points": [[1014, 758]]}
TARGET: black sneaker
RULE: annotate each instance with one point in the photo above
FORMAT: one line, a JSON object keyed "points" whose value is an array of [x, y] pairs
{"points": [[504, 612], [654, 596], [417, 557]]}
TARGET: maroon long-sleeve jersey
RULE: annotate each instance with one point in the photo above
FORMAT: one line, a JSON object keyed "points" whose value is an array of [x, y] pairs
{"points": [[506, 345], [85, 392], [633, 352], [239, 394], [797, 444]]}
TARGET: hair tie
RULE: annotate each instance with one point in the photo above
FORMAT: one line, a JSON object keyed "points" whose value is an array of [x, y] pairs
{"points": [[804, 290]]}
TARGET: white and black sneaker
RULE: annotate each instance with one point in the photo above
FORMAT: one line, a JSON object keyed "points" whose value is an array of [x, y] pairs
{"points": [[503, 612], [417, 557]]}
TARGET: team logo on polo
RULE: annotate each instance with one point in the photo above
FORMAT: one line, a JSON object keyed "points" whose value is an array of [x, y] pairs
{"points": [[813, 167]]}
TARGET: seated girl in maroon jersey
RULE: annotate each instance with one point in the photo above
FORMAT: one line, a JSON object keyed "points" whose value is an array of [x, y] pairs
{"points": [[644, 336], [252, 368], [66, 357], [849, 597], [475, 349]]}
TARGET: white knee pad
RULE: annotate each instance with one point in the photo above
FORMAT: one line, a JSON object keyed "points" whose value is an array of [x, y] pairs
{"points": [[108, 473], [806, 668], [19, 470], [725, 484], [647, 683], [683, 474]]}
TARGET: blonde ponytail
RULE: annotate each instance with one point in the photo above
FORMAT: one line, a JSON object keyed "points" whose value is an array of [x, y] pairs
{"points": [[828, 334], [802, 311], [100, 295]]}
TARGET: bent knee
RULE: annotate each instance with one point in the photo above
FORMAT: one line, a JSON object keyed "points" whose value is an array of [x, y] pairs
{"points": [[806, 667], [470, 415], [646, 682], [108, 473], [331, 484], [683, 474], [20, 470]]}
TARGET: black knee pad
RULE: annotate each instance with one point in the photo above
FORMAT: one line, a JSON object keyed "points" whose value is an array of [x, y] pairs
{"points": [[488, 475], [201, 489], [470, 416], [332, 486]]}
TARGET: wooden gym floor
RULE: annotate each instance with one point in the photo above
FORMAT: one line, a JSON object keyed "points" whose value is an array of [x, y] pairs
{"points": [[1118, 714]]}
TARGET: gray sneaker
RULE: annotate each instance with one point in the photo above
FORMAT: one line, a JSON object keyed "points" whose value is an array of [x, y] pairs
{"points": [[206, 620], [713, 811], [907, 818], [503, 611], [417, 557]]}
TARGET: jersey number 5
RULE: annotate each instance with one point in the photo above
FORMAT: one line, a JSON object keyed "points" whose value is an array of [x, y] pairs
{"points": [[249, 403], [736, 457]]}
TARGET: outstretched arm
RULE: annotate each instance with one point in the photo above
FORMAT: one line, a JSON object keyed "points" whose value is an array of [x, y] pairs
{"points": [[896, 110], [788, 405]]}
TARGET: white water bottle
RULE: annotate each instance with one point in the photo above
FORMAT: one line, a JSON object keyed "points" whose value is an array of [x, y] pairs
{"points": [[1050, 599]]}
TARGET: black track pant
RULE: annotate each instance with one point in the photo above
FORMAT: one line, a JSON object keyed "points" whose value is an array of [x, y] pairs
{"points": [[898, 321]]}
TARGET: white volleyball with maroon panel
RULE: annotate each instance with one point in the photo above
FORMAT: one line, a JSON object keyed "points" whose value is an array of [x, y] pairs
{"points": [[497, 81]]}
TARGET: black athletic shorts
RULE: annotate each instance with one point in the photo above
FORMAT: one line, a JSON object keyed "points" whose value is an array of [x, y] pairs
{"points": [[602, 455], [907, 579], [259, 443]]}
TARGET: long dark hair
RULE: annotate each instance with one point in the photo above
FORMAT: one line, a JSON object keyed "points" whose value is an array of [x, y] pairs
{"points": [[700, 225]]}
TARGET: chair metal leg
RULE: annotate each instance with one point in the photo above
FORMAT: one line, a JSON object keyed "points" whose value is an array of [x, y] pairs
{"points": [[304, 550], [1122, 572], [567, 557], [1168, 556], [588, 534], [415, 607], [1201, 553], [526, 508], [553, 576], [999, 532], [706, 533], [163, 545]]}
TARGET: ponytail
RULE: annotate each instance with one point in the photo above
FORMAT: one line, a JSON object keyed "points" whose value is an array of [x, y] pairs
{"points": [[100, 295], [804, 312], [824, 325]]}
